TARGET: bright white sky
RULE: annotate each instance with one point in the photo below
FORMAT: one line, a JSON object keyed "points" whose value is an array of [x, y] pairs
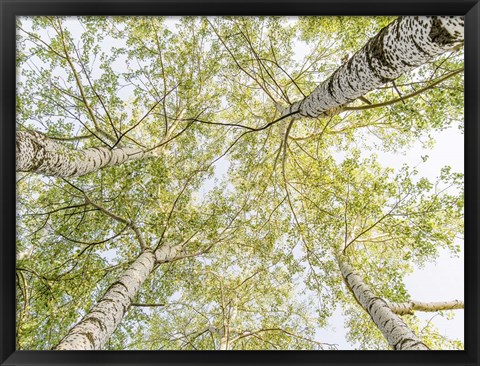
{"points": [[440, 281]]}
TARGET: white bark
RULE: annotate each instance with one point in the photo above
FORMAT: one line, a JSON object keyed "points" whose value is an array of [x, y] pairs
{"points": [[395, 331], [94, 330], [225, 332], [39, 154], [409, 307], [403, 45], [224, 342]]}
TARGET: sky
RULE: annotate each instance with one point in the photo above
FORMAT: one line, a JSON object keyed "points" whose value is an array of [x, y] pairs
{"points": [[439, 281], [442, 280]]}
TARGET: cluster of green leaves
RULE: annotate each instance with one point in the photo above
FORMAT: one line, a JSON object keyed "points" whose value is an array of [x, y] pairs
{"points": [[203, 94]]}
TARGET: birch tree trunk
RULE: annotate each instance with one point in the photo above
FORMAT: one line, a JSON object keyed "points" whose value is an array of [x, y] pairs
{"points": [[403, 45], [225, 331], [410, 306], [39, 154], [223, 341], [396, 332], [95, 329]]}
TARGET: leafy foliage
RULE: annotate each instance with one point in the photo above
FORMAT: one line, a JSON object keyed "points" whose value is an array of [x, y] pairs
{"points": [[261, 206]]}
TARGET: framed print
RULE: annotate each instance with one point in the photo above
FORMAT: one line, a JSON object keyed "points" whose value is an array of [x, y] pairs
{"points": [[290, 183]]}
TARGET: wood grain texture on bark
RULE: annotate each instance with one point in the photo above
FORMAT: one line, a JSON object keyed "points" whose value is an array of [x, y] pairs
{"points": [[403, 45], [98, 325], [37, 153], [94, 330], [398, 335], [409, 307]]}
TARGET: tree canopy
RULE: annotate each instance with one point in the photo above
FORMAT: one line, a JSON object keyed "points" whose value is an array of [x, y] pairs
{"points": [[215, 182]]}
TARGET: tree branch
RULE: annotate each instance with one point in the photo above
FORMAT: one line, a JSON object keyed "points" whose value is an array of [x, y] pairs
{"points": [[408, 96], [408, 308]]}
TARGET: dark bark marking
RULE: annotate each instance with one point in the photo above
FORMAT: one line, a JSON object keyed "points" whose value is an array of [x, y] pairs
{"points": [[419, 48], [386, 322], [401, 343], [97, 321], [375, 50], [89, 336], [114, 284], [439, 35]]}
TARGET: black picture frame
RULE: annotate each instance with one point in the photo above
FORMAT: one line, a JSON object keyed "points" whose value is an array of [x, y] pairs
{"points": [[9, 9]]}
